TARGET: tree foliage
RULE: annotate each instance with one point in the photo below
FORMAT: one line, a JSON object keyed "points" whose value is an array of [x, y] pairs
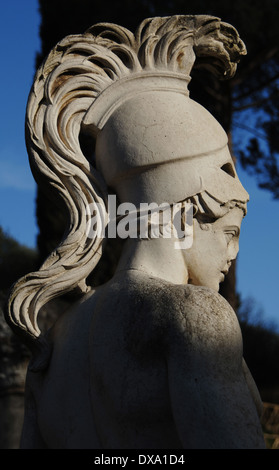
{"points": [[249, 102], [247, 106], [260, 346], [16, 260]]}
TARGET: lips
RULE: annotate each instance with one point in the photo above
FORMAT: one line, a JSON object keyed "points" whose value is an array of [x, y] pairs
{"points": [[226, 270]]}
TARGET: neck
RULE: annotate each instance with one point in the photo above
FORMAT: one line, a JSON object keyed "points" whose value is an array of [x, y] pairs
{"points": [[157, 257]]}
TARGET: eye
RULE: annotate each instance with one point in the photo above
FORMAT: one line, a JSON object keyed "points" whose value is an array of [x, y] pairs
{"points": [[229, 169], [230, 235]]}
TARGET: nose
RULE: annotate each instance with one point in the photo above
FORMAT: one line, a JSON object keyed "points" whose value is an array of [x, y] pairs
{"points": [[233, 249]]}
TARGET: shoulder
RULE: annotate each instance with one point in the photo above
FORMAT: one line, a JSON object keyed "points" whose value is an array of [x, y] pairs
{"points": [[203, 332], [188, 307], [172, 300], [190, 315], [150, 313], [178, 300], [201, 308]]}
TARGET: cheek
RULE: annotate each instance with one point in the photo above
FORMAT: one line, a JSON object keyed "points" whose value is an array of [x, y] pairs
{"points": [[224, 251], [215, 257], [206, 257], [221, 244]]}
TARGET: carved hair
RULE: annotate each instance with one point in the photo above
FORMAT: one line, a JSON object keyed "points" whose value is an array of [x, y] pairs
{"points": [[74, 74], [207, 208]]}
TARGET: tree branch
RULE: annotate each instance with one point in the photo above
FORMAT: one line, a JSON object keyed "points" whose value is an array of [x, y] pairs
{"points": [[256, 103], [258, 88], [251, 130], [258, 60]]}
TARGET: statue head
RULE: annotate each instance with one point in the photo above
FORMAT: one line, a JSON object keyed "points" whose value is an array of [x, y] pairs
{"points": [[151, 143]]}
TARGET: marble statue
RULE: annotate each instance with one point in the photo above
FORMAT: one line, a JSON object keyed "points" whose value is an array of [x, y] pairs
{"points": [[152, 359]]}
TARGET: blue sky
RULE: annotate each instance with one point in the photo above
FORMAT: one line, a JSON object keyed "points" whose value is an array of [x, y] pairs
{"points": [[258, 257], [19, 31]]}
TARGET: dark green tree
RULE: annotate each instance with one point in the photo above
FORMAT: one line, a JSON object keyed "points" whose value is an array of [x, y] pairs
{"points": [[16, 260], [246, 106]]}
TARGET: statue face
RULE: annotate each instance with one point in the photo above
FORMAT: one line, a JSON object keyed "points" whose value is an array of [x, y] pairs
{"points": [[214, 247]]}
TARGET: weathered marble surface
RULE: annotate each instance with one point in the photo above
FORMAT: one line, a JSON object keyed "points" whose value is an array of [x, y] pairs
{"points": [[153, 358]]}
